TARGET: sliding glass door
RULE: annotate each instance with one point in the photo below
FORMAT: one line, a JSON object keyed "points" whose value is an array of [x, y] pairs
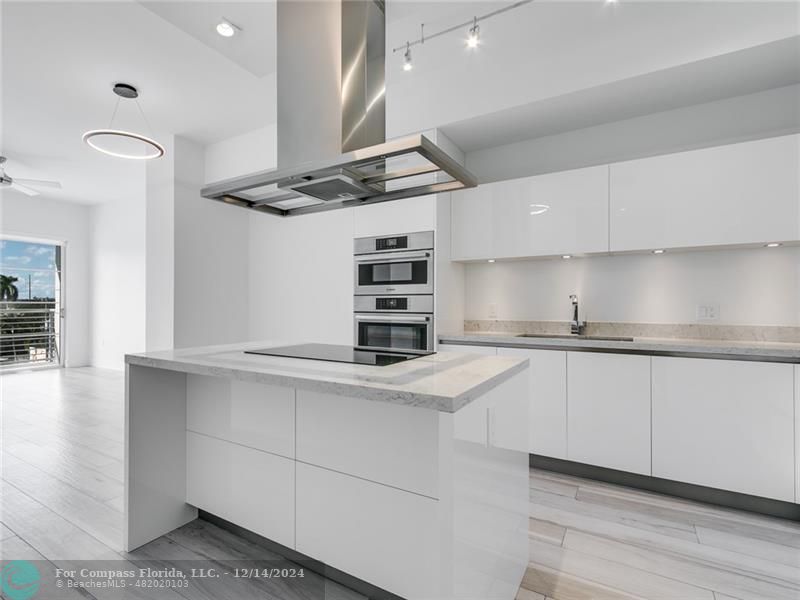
{"points": [[31, 309]]}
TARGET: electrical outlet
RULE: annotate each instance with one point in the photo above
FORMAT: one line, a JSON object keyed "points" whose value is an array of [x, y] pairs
{"points": [[492, 310], [708, 312]]}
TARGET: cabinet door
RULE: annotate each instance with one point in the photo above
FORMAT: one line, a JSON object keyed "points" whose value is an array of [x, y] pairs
{"points": [[557, 213], [247, 487], [252, 414], [547, 394], [471, 224], [383, 535], [725, 424], [735, 194], [608, 410]]}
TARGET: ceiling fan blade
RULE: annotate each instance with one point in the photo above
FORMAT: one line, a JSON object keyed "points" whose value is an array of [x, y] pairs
{"points": [[39, 183], [24, 189]]}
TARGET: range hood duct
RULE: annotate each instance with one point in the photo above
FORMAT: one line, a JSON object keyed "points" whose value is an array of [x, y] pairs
{"points": [[332, 151]]}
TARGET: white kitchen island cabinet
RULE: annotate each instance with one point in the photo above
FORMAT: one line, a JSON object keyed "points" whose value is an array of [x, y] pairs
{"points": [[378, 472], [725, 424]]}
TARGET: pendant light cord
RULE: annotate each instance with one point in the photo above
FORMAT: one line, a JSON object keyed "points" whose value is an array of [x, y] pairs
{"points": [[114, 114], [146, 122]]}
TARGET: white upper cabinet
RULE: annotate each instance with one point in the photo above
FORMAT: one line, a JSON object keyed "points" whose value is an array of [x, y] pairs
{"points": [[552, 214], [471, 224], [736, 194], [547, 215]]}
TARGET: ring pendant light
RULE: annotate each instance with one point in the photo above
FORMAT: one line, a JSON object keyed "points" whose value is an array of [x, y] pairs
{"points": [[121, 143]]}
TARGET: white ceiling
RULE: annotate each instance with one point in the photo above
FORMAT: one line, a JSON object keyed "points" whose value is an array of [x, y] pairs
{"points": [[253, 48], [60, 60]]}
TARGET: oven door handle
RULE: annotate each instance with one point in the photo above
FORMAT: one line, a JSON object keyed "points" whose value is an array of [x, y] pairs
{"points": [[392, 318], [392, 258]]}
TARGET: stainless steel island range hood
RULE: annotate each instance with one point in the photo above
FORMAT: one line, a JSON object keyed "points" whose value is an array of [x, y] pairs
{"points": [[331, 120]]}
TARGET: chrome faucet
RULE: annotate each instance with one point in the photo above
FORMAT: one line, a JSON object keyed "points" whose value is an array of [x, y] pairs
{"points": [[576, 326]]}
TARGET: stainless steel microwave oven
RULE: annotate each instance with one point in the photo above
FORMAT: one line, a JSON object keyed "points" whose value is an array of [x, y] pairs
{"points": [[394, 265]]}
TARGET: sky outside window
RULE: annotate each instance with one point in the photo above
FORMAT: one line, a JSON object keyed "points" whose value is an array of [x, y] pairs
{"points": [[33, 264]]}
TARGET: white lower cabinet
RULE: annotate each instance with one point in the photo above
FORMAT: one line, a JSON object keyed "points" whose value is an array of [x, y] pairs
{"points": [[725, 424], [547, 396], [248, 487], [375, 532], [252, 414], [608, 410], [377, 441]]}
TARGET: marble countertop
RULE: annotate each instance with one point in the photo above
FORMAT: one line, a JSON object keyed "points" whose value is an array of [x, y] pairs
{"points": [[445, 381], [735, 350]]}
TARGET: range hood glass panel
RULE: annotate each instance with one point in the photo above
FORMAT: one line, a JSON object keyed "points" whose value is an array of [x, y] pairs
{"points": [[417, 181], [294, 203]]}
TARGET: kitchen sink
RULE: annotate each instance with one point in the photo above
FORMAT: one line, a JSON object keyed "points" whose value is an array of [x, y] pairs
{"points": [[598, 338]]}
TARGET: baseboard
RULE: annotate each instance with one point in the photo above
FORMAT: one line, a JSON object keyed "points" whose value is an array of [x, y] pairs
{"points": [[362, 587], [688, 491]]}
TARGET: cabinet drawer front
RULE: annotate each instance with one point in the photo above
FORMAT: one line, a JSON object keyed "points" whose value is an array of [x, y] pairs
{"points": [[385, 536], [725, 424], [247, 487], [252, 414], [608, 410], [378, 441]]}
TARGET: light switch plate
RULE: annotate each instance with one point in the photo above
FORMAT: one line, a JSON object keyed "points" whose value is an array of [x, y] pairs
{"points": [[707, 312]]}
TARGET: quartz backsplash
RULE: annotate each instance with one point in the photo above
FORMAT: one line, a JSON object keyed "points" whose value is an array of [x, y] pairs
{"points": [[686, 331]]}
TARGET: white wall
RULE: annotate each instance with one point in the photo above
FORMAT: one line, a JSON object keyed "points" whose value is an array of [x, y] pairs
{"points": [[119, 277], [242, 154], [549, 49], [751, 286], [737, 119], [38, 217], [212, 258]]}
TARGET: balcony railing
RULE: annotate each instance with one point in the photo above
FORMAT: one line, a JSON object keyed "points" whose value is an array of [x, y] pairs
{"points": [[29, 333]]}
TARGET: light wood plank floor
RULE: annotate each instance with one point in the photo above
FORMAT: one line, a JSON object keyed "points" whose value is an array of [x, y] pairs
{"points": [[61, 499]]}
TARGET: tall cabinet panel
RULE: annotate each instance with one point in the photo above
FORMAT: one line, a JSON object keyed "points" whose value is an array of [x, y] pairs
{"points": [[735, 194]]}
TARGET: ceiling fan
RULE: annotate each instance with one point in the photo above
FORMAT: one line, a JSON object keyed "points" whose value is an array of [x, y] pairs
{"points": [[22, 185]]}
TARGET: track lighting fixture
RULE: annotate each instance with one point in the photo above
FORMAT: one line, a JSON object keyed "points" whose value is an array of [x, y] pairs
{"points": [[407, 64], [474, 37]]}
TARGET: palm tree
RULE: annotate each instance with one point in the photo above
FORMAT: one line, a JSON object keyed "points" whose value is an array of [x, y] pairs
{"points": [[8, 291]]}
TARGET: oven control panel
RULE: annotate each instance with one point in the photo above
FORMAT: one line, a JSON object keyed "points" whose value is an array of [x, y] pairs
{"points": [[391, 303], [392, 243]]}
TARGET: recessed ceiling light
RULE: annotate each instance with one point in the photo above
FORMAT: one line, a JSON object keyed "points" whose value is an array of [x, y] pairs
{"points": [[227, 29], [491, 260], [658, 252], [566, 256], [772, 245]]}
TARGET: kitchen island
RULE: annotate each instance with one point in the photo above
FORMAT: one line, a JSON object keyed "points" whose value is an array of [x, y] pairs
{"points": [[412, 477]]}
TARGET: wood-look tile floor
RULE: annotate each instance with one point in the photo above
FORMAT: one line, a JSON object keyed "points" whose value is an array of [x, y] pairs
{"points": [[61, 499]]}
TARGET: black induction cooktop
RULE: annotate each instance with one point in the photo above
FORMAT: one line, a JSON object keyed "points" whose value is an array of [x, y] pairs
{"points": [[343, 354]]}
